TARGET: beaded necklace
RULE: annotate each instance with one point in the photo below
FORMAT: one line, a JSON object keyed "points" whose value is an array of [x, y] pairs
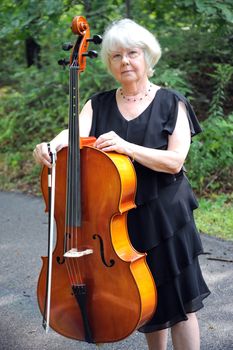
{"points": [[134, 99]]}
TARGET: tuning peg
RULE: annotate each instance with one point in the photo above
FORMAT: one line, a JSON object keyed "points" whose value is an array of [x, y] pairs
{"points": [[67, 46], [63, 62], [91, 54], [96, 39]]}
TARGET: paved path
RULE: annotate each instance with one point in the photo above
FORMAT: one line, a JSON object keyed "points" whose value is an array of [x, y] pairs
{"points": [[23, 239]]}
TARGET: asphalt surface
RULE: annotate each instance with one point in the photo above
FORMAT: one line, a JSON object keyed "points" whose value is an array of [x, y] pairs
{"points": [[23, 239]]}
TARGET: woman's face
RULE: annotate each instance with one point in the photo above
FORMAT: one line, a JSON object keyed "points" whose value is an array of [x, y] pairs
{"points": [[128, 65]]}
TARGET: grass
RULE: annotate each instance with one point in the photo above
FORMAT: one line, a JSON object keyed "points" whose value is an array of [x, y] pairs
{"points": [[215, 216], [19, 174]]}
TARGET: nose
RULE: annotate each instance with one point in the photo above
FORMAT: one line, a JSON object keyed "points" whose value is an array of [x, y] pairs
{"points": [[125, 59]]}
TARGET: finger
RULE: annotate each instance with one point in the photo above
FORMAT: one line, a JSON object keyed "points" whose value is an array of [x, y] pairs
{"points": [[109, 147], [109, 136], [44, 152], [105, 144], [41, 154]]}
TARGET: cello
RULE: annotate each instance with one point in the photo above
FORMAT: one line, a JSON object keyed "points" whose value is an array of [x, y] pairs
{"points": [[101, 288]]}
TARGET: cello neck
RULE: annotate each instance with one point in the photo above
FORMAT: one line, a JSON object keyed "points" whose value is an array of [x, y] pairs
{"points": [[73, 198], [77, 64]]}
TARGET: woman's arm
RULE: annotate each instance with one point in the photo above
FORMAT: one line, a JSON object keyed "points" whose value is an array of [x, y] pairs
{"points": [[168, 161]]}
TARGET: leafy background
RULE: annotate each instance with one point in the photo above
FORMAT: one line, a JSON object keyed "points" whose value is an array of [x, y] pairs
{"points": [[196, 37]]}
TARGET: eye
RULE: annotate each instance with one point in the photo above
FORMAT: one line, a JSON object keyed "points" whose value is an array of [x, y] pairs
{"points": [[116, 57], [133, 53]]}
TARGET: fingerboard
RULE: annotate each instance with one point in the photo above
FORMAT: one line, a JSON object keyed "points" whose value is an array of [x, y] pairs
{"points": [[73, 194]]}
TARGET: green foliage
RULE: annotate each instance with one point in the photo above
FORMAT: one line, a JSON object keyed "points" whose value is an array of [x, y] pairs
{"points": [[172, 77], [29, 17], [221, 76], [211, 156], [209, 216], [30, 112], [215, 10]]}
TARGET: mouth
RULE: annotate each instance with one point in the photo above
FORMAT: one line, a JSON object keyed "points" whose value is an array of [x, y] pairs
{"points": [[127, 71]]}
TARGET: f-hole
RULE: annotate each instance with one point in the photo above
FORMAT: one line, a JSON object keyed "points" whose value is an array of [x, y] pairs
{"points": [[60, 260], [102, 253]]}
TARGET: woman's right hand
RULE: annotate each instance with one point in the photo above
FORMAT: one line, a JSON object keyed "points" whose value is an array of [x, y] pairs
{"points": [[41, 152]]}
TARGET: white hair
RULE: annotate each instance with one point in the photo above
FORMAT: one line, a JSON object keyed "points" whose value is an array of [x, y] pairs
{"points": [[125, 33]]}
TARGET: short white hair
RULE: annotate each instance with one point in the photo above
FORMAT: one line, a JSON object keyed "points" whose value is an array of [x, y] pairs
{"points": [[126, 33]]}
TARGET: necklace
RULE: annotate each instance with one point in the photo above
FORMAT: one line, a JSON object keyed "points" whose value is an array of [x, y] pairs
{"points": [[134, 99]]}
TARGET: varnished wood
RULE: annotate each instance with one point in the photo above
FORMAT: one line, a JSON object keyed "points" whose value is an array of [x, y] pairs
{"points": [[122, 297]]}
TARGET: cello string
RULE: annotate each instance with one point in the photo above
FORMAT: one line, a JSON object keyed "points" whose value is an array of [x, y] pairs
{"points": [[71, 177], [77, 170], [73, 268], [69, 205], [67, 227]]}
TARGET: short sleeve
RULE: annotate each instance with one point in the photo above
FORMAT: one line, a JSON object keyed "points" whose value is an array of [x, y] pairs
{"points": [[173, 99]]}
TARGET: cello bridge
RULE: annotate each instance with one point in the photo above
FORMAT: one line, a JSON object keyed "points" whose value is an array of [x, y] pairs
{"points": [[75, 253]]}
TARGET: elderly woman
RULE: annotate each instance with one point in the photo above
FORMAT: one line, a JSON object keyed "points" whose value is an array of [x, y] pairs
{"points": [[153, 126]]}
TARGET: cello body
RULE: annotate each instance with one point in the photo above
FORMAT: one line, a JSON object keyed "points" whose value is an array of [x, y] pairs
{"points": [[120, 291]]}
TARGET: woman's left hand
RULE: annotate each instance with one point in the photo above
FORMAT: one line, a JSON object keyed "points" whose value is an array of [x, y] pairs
{"points": [[112, 142]]}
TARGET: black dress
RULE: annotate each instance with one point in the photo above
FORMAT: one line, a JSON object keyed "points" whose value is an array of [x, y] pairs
{"points": [[162, 225]]}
